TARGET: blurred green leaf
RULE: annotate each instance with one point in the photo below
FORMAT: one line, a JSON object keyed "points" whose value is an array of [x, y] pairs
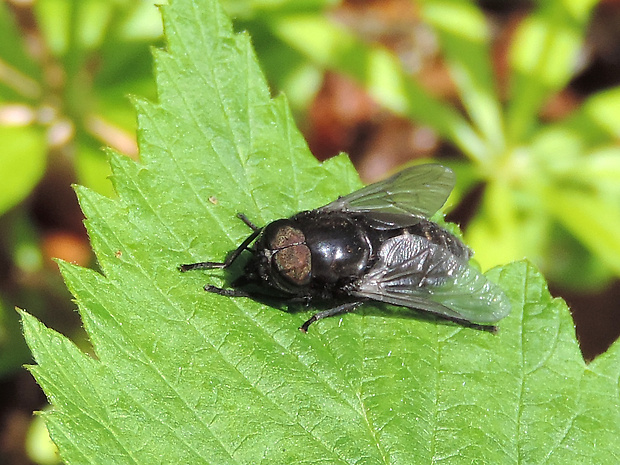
{"points": [[593, 219], [13, 52], [39, 447], [543, 57], [572, 266], [595, 122], [92, 21], [380, 72], [18, 72], [464, 36], [54, 18], [259, 9], [142, 22], [199, 378], [13, 350], [22, 163], [600, 169], [508, 225], [93, 169]]}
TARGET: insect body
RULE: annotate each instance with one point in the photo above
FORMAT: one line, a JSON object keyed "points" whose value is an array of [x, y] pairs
{"points": [[375, 244]]}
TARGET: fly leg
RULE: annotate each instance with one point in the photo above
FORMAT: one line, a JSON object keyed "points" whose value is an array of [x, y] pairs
{"points": [[229, 260], [468, 324], [250, 225], [344, 308], [226, 292]]}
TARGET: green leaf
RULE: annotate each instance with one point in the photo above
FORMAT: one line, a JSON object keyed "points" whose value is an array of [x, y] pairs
{"points": [[182, 376]]}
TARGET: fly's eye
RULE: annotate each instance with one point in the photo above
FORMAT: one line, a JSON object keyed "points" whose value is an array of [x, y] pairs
{"points": [[285, 236], [291, 258], [294, 263]]}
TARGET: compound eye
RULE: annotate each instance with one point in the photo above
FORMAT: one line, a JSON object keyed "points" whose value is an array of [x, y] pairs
{"points": [[294, 263], [281, 235]]}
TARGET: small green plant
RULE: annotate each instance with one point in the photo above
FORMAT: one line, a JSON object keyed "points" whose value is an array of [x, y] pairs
{"points": [[182, 376]]}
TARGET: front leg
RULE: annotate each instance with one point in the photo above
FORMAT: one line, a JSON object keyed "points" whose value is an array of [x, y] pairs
{"points": [[229, 260], [226, 292]]}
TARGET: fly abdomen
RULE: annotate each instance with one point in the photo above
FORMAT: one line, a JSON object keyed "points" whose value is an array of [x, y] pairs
{"points": [[437, 235]]}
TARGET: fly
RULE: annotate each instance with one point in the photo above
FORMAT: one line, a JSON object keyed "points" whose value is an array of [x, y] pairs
{"points": [[375, 244]]}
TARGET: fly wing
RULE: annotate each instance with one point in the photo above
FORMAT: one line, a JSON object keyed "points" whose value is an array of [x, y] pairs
{"points": [[413, 272], [401, 200]]}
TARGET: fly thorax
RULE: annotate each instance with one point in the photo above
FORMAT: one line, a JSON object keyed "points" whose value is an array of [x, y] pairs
{"points": [[339, 247]]}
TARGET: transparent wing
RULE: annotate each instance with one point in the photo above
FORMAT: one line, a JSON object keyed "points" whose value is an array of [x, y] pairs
{"points": [[413, 272], [415, 192]]}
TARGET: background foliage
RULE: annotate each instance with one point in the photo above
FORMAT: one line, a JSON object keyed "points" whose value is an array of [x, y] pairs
{"points": [[64, 98], [197, 378]]}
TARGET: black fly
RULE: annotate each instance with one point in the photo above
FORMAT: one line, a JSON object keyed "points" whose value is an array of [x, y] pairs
{"points": [[375, 244]]}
